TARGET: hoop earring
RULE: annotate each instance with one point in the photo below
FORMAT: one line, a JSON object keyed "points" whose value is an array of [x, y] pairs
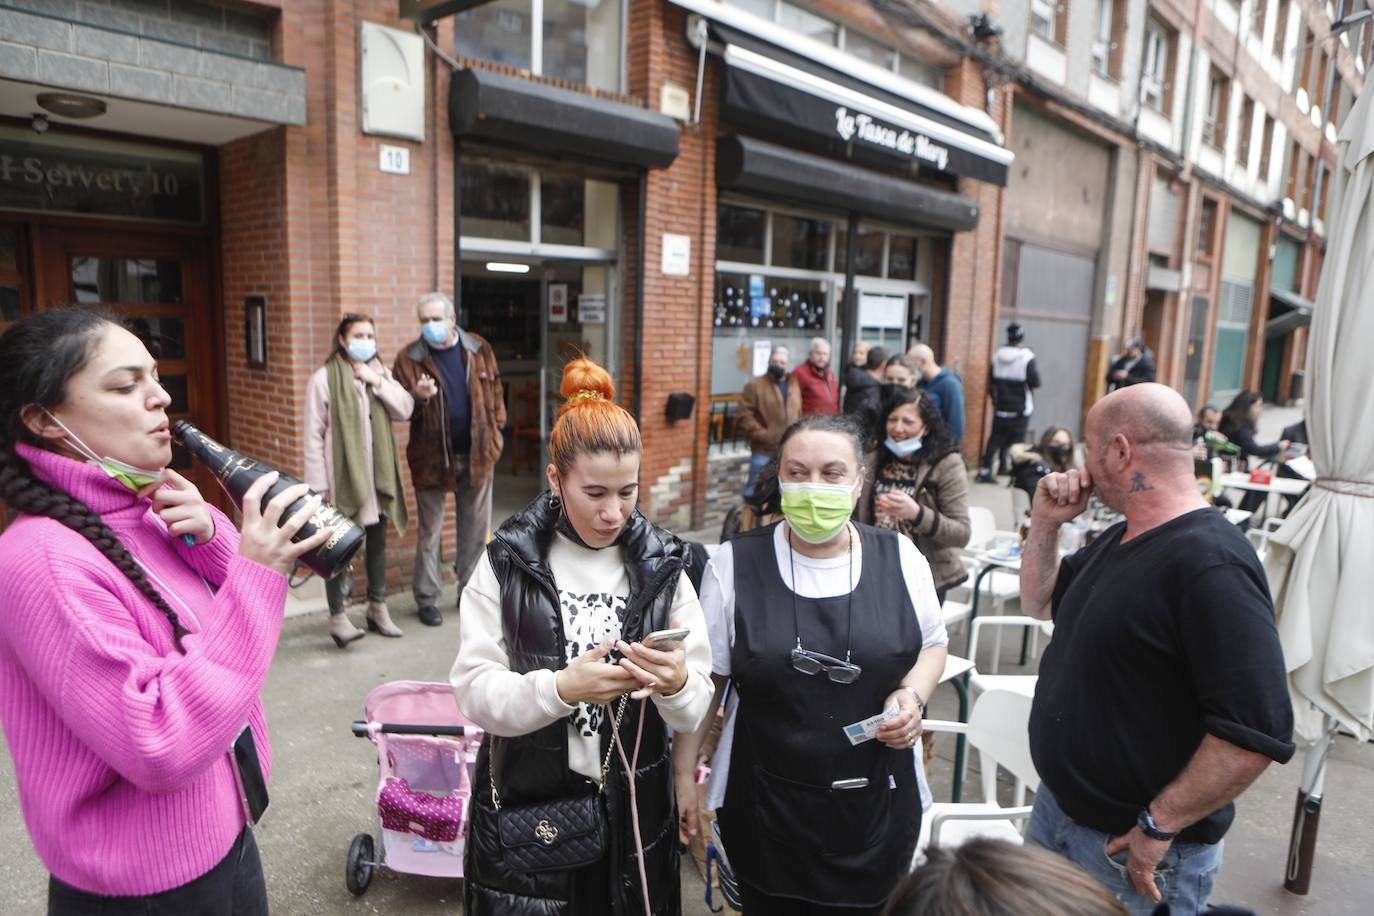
{"points": [[555, 503]]}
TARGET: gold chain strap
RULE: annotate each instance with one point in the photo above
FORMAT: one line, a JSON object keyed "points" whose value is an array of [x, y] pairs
{"points": [[605, 764]]}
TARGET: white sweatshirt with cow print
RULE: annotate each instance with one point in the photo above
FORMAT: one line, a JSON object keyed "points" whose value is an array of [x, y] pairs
{"points": [[592, 588]]}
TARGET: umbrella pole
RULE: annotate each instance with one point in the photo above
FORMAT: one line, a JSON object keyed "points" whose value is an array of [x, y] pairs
{"points": [[1302, 843]]}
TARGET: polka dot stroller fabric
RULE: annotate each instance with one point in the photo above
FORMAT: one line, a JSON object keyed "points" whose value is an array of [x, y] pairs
{"points": [[439, 818]]}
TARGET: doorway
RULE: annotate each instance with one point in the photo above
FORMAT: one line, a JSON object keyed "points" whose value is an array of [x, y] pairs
{"points": [[158, 282], [537, 315]]}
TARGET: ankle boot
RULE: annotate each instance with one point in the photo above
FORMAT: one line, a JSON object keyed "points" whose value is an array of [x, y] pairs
{"points": [[342, 630], [379, 619]]}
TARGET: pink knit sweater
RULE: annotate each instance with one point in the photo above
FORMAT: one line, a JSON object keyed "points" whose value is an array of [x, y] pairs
{"points": [[121, 745]]}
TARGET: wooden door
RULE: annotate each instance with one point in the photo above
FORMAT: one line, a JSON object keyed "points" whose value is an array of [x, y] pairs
{"points": [[160, 284]]}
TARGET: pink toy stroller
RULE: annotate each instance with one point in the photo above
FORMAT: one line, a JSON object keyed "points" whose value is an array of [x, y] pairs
{"points": [[426, 754]]}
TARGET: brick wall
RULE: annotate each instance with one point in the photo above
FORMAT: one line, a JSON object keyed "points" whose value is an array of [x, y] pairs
{"points": [[681, 199], [975, 271]]}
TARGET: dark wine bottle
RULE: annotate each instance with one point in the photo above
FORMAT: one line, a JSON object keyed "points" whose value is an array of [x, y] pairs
{"points": [[237, 472]]}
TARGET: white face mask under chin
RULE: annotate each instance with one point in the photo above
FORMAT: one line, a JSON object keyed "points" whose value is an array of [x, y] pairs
{"points": [[135, 478]]}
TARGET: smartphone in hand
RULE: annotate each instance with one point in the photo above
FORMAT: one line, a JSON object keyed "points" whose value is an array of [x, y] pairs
{"points": [[665, 640]]}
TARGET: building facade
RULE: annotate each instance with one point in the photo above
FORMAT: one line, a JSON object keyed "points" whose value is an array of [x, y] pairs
{"points": [[668, 186], [673, 187], [1216, 124]]}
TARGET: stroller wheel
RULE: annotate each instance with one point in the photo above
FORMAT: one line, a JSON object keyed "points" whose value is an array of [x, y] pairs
{"points": [[360, 864]]}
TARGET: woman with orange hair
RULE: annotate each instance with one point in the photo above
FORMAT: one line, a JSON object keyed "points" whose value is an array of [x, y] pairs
{"points": [[552, 655]]}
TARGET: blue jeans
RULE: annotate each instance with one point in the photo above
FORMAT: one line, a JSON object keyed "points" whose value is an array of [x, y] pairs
{"points": [[756, 464], [1185, 876]]}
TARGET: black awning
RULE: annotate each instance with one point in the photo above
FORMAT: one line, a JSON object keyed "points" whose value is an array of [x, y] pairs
{"points": [[1287, 312], [767, 87], [558, 123], [745, 164]]}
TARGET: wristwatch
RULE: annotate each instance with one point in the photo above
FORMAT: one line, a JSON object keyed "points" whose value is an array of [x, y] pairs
{"points": [[1146, 822]]}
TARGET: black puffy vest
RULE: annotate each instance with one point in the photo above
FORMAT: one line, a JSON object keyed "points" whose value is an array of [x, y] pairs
{"points": [[535, 767]]}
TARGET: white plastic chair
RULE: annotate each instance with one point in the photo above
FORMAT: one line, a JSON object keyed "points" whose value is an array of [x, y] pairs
{"points": [[998, 730], [1023, 684], [955, 612], [1259, 537], [999, 586]]}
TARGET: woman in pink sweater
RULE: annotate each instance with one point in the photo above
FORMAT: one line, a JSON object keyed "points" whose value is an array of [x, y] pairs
{"points": [[138, 630]]}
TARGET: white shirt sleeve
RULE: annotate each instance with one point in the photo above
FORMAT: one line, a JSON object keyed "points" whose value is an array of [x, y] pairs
{"points": [[684, 710], [920, 586], [488, 692], [718, 607]]}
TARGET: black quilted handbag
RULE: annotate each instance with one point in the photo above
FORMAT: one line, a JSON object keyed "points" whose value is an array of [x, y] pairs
{"points": [[557, 834]]}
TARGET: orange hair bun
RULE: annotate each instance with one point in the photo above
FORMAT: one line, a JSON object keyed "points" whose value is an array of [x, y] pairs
{"points": [[584, 380], [589, 419]]}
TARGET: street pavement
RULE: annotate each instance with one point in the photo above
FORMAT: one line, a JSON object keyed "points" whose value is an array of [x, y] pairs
{"points": [[324, 779]]}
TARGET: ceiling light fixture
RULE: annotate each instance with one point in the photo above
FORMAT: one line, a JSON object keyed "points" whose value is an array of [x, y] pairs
{"points": [[71, 105], [506, 267]]}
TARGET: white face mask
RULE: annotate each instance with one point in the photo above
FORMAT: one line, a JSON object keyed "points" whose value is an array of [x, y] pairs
{"points": [[904, 448], [132, 477]]}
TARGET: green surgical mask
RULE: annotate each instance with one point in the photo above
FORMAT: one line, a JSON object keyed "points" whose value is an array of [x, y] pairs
{"points": [[817, 511]]}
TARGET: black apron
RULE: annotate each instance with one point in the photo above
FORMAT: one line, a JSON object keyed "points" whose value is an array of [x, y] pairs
{"points": [[787, 832]]}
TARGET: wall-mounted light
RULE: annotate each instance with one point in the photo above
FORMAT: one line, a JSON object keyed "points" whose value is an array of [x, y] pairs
{"points": [[71, 105], [507, 267], [255, 331]]}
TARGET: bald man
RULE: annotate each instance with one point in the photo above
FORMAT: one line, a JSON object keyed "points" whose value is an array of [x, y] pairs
{"points": [[1163, 694], [945, 388]]}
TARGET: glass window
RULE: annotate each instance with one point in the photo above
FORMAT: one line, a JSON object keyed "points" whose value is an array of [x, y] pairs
{"points": [[1206, 226], [499, 32], [582, 42], [780, 312], [495, 202], [865, 48], [9, 302], [1155, 77], [165, 338], [1102, 37], [126, 280], [902, 257], [800, 242], [176, 388], [562, 206], [9, 249], [740, 234], [576, 40], [919, 72], [868, 257], [764, 8], [1044, 16], [807, 23]]}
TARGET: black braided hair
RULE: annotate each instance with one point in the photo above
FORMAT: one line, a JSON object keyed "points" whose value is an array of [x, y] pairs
{"points": [[37, 356]]}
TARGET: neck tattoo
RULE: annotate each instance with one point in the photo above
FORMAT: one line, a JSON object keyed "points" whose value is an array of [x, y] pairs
{"points": [[1138, 484]]}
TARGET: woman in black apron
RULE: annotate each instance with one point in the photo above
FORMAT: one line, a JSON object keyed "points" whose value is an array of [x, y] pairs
{"points": [[821, 623]]}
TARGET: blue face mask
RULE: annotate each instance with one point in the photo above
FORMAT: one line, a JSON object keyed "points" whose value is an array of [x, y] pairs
{"points": [[905, 448], [435, 332], [362, 350]]}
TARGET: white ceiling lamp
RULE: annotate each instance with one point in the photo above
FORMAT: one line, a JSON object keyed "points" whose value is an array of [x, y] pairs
{"points": [[507, 267]]}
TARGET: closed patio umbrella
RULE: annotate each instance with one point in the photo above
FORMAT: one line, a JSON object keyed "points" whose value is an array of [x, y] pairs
{"points": [[1321, 562]]}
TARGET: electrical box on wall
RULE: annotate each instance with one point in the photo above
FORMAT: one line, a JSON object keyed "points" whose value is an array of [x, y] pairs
{"points": [[393, 65]]}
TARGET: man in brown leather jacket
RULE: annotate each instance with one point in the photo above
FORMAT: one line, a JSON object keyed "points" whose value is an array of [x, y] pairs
{"points": [[455, 441]]}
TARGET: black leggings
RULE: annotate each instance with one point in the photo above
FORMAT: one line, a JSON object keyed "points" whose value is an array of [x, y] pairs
{"points": [[234, 887], [374, 561]]}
